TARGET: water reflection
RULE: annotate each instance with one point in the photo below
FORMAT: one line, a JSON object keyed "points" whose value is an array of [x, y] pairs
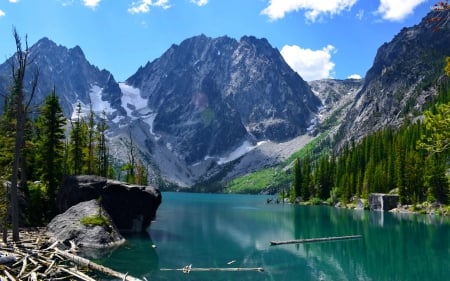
{"points": [[212, 230]]}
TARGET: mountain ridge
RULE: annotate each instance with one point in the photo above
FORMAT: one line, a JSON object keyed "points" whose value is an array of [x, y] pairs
{"points": [[215, 106], [203, 103]]}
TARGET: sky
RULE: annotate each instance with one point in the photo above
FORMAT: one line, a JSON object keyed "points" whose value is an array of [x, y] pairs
{"points": [[318, 39]]}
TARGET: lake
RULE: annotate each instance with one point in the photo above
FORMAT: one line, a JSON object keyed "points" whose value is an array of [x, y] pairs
{"points": [[234, 231]]}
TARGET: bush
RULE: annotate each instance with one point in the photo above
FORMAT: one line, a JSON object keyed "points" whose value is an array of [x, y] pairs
{"points": [[315, 201]]}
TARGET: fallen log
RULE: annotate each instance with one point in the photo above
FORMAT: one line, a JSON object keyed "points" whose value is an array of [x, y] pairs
{"points": [[189, 268], [311, 240], [94, 266]]}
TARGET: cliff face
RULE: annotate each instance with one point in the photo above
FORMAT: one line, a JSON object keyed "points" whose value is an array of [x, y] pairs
{"points": [[400, 81], [209, 98], [210, 95]]}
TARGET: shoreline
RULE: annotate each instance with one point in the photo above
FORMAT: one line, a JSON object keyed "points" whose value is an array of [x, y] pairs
{"points": [[35, 257]]}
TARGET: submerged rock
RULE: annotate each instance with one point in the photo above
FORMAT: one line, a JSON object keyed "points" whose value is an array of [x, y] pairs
{"points": [[67, 227]]}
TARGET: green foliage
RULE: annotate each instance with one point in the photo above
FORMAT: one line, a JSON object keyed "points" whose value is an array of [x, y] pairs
{"points": [[437, 138], [253, 182], [78, 143], [49, 147], [38, 204], [99, 220]]}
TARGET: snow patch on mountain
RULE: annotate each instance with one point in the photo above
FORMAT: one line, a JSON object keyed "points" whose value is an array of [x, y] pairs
{"points": [[243, 149], [96, 104], [132, 102]]}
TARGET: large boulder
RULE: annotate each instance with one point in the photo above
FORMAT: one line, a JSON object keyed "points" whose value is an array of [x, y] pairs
{"points": [[132, 207], [67, 227], [382, 202]]}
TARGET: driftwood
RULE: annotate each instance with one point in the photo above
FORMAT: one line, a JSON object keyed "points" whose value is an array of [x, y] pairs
{"points": [[92, 265], [311, 240], [39, 260], [189, 268]]}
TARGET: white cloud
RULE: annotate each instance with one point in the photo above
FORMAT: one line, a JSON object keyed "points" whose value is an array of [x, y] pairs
{"points": [[355, 76], [2, 13], [309, 64], [143, 6], [13, 1], [91, 3], [395, 10], [200, 2], [314, 8]]}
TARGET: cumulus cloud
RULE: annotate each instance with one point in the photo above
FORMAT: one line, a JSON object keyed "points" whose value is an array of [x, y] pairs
{"points": [[278, 8], [394, 10], [354, 76], [91, 3], [309, 64], [143, 6], [2, 13], [200, 2]]}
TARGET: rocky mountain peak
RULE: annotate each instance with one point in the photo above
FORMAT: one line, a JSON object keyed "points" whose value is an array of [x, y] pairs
{"points": [[71, 74], [208, 96], [401, 80]]}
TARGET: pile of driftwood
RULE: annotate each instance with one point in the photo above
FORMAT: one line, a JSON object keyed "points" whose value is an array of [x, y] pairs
{"points": [[34, 258]]}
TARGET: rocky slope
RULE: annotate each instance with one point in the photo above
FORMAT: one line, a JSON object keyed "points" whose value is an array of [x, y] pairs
{"points": [[401, 80], [209, 101], [70, 74]]}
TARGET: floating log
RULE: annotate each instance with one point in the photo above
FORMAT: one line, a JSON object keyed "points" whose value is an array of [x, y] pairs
{"points": [[311, 240], [91, 265], [189, 268]]}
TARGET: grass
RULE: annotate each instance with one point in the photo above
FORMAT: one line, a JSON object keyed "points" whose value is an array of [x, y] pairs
{"points": [[95, 220], [253, 182]]}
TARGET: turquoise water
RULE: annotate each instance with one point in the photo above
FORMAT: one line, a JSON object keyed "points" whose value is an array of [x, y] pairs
{"points": [[213, 230]]}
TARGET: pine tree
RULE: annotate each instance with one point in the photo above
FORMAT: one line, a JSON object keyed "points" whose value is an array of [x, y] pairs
{"points": [[307, 186], [102, 149], [297, 184], [77, 143], [435, 180], [50, 146]]}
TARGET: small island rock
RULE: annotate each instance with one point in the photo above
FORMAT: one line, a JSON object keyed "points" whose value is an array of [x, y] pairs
{"points": [[68, 227], [131, 207]]}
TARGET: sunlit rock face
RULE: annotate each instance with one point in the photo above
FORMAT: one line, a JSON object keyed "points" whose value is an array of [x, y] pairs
{"points": [[403, 78], [210, 96]]}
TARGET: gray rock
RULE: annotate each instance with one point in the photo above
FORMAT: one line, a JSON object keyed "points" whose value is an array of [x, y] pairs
{"points": [[401, 80], [67, 226], [382, 202], [131, 207]]}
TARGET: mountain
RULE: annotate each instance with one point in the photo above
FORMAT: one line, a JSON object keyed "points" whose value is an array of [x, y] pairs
{"points": [[337, 96], [69, 73], [192, 112], [209, 101], [400, 82]]}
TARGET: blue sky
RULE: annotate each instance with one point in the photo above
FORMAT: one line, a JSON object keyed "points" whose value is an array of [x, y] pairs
{"points": [[319, 39]]}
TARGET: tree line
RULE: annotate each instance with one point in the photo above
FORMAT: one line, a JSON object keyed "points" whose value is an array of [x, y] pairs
{"points": [[411, 161], [38, 150]]}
